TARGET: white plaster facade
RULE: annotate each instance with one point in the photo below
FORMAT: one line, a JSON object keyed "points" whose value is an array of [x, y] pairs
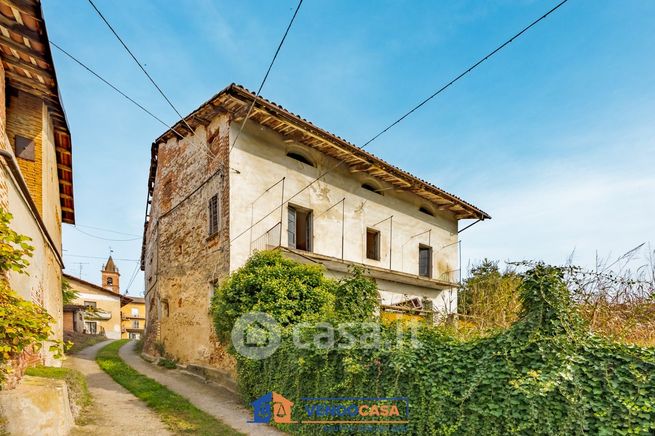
{"points": [[260, 157]]}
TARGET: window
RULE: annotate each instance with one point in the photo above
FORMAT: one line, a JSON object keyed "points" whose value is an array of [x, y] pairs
{"points": [[214, 219], [300, 158], [372, 244], [300, 228], [135, 324], [135, 311], [110, 281], [91, 327], [371, 188], [91, 304], [424, 261], [135, 336], [425, 210], [24, 147]]}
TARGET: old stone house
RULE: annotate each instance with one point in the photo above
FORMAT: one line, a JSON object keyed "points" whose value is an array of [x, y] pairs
{"points": [[36, 179], [289, 184]]}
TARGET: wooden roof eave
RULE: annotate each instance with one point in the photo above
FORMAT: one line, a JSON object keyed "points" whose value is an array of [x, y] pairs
{"points": [[237, 100], [361, 162]]}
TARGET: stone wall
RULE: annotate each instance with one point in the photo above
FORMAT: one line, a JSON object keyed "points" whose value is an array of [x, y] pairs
{"points": [[183, 262]]}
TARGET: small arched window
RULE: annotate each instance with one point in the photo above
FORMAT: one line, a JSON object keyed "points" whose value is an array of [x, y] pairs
{"points": [[110, 281], [425, 210], [371, 188], [300, 158]]}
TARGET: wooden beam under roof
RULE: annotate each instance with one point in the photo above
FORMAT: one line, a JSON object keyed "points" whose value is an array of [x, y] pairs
{"points": [[21, 46], [33, 69], [24, 6], [31, 35]]}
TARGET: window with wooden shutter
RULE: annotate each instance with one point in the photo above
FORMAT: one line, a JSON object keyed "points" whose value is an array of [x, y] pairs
{"points": [[424, 261], [214, 219], [300, 228], [372, 244], [291, 230]]}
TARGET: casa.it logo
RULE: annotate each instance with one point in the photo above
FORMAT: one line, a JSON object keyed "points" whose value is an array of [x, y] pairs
{"points": [[329, 411]]}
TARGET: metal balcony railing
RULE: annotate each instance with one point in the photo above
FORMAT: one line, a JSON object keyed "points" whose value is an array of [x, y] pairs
{"points": [[268, 240]]}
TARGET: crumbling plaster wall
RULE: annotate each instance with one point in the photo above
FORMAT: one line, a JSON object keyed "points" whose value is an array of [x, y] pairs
{"points": [[183, 263], [260, 159]]}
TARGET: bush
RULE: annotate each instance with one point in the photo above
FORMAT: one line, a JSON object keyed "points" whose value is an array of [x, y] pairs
{"points": [[489, 298], [291, 293], [23, 324], [545, 375], [167, 363]]}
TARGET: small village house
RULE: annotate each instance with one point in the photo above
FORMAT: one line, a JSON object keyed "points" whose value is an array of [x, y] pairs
{"points": [[36, 179], [133, 318], [102, 304], [212, 204]]}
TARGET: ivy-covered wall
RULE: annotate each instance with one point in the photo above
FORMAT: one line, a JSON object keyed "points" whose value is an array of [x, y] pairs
{"points": [[545, 375]]}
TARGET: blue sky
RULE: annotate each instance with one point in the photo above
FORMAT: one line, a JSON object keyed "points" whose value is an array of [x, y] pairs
{"points": [[554, 136]]}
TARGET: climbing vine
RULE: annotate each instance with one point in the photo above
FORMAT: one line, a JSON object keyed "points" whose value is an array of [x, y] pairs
{"points": [[23, 324], [546, 374]]}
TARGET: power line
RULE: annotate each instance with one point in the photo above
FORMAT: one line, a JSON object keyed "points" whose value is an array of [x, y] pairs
{"points": [[252, 105], [206, 148], [423, 102], [129, 284], [141, 66], [107, 230], [115, 88], [447, 85], [104, 239], [140, 106], [99, 257]]}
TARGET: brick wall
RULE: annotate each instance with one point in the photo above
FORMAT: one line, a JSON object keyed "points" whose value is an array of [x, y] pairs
{"points": [[182, 261], [25, 118]]}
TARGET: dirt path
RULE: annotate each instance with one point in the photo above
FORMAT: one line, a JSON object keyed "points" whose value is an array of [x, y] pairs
{"points": [[207, 397], [114, 409]]}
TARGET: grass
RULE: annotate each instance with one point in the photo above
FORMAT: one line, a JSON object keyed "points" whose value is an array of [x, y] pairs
{"points": [[81, 341], [179, 414], [78, 391]]}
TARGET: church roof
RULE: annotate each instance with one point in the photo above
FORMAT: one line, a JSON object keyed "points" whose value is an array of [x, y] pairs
{"points": [[110, 266]]}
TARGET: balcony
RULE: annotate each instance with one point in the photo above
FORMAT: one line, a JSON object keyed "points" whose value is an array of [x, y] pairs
{"points": [[130, 317], [447, 280]]}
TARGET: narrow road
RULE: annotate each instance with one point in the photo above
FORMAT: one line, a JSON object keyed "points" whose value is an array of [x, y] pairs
{"points": [[114, 410], [207, 397]]}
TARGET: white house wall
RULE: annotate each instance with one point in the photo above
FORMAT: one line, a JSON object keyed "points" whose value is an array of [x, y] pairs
{"points": [[259, 161]]}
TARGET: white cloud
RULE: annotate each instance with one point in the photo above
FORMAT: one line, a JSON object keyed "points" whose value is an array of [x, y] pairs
{"points": [[561, 209]]}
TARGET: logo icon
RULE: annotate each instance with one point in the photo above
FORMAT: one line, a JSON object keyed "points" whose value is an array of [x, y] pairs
{"points": [[256, 335], [272, 406]]}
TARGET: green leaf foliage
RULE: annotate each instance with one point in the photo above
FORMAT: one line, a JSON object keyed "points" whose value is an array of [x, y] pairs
{"points": [[23, 324], [69, 295], [291, 293], [546, 374]]}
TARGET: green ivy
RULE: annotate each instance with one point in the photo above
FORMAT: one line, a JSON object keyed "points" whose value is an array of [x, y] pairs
{"points": [[23, 324], [545, 375]]}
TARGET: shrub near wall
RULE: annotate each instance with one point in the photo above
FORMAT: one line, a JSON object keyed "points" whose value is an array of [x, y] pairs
{"points": [[24, 326], [544, 375]]}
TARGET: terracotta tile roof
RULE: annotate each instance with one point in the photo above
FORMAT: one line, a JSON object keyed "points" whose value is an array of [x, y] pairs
{"points": [[29, 67]]}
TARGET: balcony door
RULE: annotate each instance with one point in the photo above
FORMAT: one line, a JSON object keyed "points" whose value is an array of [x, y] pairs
{"points": [[300, 228]]}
